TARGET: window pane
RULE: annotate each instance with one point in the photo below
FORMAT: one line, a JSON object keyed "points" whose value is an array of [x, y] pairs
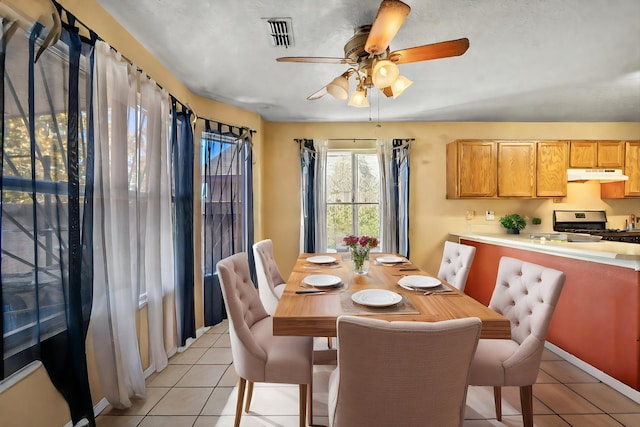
{"points": [[339, 224], [368, 220], [339, 178], [368, 190]]}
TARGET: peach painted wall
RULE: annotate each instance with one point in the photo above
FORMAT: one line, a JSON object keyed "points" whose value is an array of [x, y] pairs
{"points": [[432, 216]]}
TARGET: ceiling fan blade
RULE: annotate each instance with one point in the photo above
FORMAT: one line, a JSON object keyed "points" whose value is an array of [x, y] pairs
{"points": [[316, 60], [430, 51], [318, 94], [390, 17]]}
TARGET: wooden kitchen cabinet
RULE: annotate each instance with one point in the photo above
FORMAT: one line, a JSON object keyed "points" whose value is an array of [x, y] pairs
{"points": [[471, 169], [516, 169], [551, 168], [597, 154], [630, 188]]}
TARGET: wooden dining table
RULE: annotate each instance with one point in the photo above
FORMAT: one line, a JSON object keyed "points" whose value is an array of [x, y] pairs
{"points": [[315, 314]]}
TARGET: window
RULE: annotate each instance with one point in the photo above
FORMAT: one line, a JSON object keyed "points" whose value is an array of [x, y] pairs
{"points": [[224, 197], [36, 214], [352, 195]]}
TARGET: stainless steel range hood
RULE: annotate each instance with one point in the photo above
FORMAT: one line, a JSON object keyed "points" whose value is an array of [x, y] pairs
{"points": [[602, 175]]}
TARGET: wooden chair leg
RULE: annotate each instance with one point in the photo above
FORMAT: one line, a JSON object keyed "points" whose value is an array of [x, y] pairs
{"points": [[329, 343], [526, 402], [241, 386], [249, 396], [310, 404], [303, 404], [497, 399]]}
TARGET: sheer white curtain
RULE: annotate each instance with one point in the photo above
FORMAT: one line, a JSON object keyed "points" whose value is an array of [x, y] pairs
{"points": [[320, 196], [156, 227], [388, 218], [116, 260]]}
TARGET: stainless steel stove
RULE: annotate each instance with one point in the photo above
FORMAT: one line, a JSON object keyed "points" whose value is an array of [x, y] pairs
{"points": [[593, 223]]}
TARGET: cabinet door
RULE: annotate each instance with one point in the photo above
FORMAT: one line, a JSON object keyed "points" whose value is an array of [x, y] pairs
{"points": [[632, 169], [552, 159], [584, 154], [516, 169], [477, 168], [611, 154]]}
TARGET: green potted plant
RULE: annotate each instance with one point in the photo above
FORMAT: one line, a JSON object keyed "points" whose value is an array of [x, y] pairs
{"points": [[513, 223], [536, 221]]}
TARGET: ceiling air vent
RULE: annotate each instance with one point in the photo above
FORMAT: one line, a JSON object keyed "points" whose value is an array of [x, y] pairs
{"points": [[280, 31]]}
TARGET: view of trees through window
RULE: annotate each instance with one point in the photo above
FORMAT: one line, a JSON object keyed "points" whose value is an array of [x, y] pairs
{"points": [[353, 196]]}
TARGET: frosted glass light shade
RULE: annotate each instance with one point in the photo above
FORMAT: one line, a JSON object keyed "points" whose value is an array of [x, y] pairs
{"points": [[399, 86], [339, 87], [359, 99], [385, 73]]}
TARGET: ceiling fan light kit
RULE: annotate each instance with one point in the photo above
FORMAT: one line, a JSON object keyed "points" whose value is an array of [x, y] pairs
{"points": [[371, 61], [385, 73]]}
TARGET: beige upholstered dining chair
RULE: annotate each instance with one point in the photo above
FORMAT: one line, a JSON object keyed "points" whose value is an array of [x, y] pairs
{"points": [[527, 294], [456, 263], [271, 284], [401, 373], [258, 355]]}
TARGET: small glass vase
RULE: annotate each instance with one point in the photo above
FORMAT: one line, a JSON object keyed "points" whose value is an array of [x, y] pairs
{"points": [[360, 261]]}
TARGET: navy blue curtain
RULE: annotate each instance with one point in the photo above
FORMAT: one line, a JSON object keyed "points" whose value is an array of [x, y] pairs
{"points": [[47, 201], [182, 166], [400, 202], [308, 191], [227, 164]]}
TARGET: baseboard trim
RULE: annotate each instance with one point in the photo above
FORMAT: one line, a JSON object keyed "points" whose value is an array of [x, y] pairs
{"points": [[615, 384]]}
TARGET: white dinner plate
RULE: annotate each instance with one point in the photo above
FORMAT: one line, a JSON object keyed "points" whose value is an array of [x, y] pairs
{"points": [[321, 259], [390, 259], [376, 297], [419, 282], [322, 280]]}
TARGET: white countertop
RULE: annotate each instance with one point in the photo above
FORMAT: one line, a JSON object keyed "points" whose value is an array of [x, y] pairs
{"points": [[625, 255]]}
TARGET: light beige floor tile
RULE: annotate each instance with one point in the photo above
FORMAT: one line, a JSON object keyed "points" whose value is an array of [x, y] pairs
{"points": [[591, 420], [628, 420], [480, 403], [188, 357], [168, 377], [606, 398], [182, 401], [549, 355], [565, 372], [168, 421], [223, 341], [543, 377], [562, 400], [206, 340], [216, 356], [140, 407], [230, 378], [118, 420], [516, 421], [220, 328], [266, 401], [202, 376], [221, 398], [249, 421]]}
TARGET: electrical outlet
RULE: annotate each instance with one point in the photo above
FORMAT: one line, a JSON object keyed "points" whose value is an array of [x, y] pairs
{"points": [[490, 215], [470, 215]]}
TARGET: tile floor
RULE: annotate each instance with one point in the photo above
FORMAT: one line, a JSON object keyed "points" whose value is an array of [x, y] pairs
{"points": [[197, 389]]}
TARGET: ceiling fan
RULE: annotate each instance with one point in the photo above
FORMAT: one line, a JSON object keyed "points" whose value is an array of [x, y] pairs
{"points": [[371, 61]]}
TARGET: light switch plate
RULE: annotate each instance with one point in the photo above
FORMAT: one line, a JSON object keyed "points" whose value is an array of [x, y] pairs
{"points": [[490, 216]]}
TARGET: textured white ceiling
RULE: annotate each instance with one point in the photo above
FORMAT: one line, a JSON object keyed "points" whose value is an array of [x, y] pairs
{"points": [[528, 60]]}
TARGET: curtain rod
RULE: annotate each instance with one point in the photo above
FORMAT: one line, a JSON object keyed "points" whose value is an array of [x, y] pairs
{"points": [[140, 70]]}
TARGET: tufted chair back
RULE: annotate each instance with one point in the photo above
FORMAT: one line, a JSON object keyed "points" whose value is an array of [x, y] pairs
{"points": [[527, 295], [270, 281], [456, 263], [244, 309]]}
